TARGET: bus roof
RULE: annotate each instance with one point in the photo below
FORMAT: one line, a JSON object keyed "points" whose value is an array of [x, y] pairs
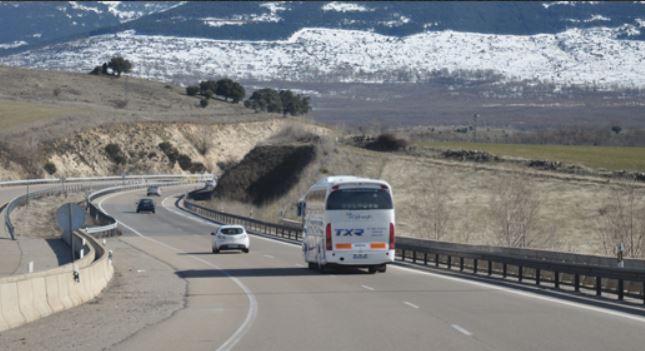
{"points": [[328, 182]]}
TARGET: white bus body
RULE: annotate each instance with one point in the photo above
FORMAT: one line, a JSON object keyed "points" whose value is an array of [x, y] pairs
{"points": [[348, 221]]}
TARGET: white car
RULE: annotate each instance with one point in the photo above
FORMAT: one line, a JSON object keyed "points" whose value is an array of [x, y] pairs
{"points": [[153, 190], [230, 237]]}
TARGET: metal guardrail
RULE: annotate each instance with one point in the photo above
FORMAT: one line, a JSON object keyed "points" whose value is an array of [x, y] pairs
{"points": [[107, 222], [558, 269], [290, 232], [98, 179]]}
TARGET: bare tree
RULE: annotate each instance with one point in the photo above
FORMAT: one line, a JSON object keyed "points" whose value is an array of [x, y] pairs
{"points": [[622, 220], [436, 208], [514, 207]]}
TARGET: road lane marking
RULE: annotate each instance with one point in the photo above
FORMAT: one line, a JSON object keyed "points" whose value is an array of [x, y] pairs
{"points": [[472, 282], [411, 305], [461, 329], [253, 305], [269, 256], [367, 287], [525, 294], [299, 265]]}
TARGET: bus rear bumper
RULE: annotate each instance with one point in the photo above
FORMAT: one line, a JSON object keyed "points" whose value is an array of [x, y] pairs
{"points": [[360, 258]]}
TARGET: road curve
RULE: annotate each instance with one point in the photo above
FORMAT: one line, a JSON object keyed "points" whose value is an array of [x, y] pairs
{"points": [[267, 300]]}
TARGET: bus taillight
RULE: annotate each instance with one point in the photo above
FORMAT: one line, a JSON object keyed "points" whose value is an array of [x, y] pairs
{"points": [[328, 237], [391, 236]]}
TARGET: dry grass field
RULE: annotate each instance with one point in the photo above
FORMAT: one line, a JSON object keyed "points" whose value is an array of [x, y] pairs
{"points": [[570, 212]]}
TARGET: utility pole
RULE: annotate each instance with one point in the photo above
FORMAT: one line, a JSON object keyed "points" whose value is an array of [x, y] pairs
{"points": [[475, 116]]}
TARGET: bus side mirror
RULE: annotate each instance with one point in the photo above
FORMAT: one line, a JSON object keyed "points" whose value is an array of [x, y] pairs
{"points": [[301, 209]]}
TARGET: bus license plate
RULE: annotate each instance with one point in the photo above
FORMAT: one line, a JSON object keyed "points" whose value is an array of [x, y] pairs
{"points": [[359, 256]]}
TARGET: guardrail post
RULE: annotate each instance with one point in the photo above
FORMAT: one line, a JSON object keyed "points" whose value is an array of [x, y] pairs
{"points": [[504, 270], [621, 289], [643, 291], [556, 279], [402, 255], [490, 267], [598, 286], [449, 259], [461, 264], [414, 256], [425, 258], [519, 273], [475, 263], [576, 282], [537, 276], [436, 260]]}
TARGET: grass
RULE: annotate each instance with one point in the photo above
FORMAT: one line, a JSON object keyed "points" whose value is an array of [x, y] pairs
{"points": [[16, 114], [611, 158]]}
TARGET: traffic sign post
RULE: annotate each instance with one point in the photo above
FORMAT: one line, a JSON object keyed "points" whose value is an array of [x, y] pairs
{"points": [[70, 217]]}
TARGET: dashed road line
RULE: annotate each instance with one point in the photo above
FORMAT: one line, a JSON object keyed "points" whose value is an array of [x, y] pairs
{"points": [[461, 329], [269, 257], [411, 305], [253, 305], [367, 287]]}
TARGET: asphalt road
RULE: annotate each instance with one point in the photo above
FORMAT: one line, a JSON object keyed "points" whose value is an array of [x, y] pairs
{"points": [[267, 300]]}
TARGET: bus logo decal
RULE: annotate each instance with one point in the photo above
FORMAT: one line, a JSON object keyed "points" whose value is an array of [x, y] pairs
{"points": [[349, 232]]}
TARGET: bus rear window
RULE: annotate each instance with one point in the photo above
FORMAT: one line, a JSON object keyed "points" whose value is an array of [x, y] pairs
{"points": [[359, 199]]}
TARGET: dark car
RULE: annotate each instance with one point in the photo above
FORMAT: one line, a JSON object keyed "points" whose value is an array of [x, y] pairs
{"points": [[145, 205]]}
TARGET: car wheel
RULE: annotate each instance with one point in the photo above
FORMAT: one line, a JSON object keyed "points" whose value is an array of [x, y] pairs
{"points": [[311, 265], [371, 269], [382, 268], [215, 251], [245, 250]]}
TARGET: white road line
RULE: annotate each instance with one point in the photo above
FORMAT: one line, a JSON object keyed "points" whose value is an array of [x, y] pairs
{"points": [[269, 256], [461, 329], [367, 287], [485, 285], [253, 305], [411, 304], [299, 265]]}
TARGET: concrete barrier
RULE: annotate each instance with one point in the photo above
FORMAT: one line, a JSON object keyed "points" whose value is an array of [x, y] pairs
{"points": [[28, 297]]}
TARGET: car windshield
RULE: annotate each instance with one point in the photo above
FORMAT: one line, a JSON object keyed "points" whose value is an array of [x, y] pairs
{"points": [[359, 199], [146, 202], [231, 231]]}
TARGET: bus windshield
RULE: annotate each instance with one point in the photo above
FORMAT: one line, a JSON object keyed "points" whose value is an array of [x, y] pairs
{"points": [[360, 199]]}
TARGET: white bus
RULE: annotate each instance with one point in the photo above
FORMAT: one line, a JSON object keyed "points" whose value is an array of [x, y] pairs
{"points": [[348, 221]]}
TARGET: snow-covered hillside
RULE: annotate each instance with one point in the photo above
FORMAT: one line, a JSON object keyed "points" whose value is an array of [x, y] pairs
{"points": [[591, 56]]}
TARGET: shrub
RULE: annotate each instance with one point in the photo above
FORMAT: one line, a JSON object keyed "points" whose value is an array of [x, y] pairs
{"points": [[192, 90], [119, 65], [170, 151], [203, 103], [387, 142], [197, 167], [50, 168], [266, 100], [226, 165], [56, 92], [184, 162], [120, 103], [115, 154]]}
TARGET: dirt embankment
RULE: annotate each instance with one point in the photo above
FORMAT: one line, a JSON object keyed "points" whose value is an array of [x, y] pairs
{"points": [[85, 154]]}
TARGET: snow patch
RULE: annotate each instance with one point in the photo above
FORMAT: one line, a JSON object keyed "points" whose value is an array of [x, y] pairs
{"points": [[593, 56], [76, 6], [337, 6], [15, 44]]}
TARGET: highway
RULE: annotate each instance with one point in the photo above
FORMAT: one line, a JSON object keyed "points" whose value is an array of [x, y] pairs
{"points": [[267, 300]]}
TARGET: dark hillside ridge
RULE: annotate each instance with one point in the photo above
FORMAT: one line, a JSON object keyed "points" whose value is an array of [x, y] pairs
{"points": [[265, 174]]}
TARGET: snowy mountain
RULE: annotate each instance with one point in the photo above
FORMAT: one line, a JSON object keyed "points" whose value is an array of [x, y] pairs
{"points": [[582, 43]]}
